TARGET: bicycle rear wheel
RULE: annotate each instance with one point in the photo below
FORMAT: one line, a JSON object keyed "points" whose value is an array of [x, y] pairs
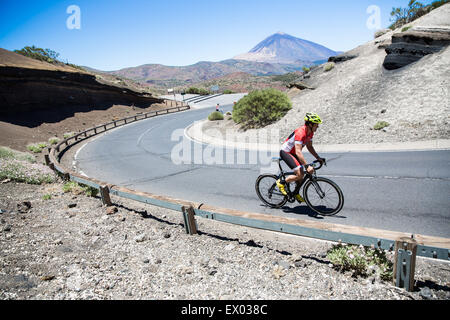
{"points": [[267, 191], [323, 196]]}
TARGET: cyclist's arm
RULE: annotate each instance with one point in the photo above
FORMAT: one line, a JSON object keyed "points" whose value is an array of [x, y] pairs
{"points": [[301, 158], [311, 149]]}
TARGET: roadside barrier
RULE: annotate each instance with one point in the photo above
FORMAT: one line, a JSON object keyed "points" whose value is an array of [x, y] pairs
{"points": [[406, 246]]}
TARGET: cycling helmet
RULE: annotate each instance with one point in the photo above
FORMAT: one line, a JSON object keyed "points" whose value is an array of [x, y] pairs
{"points": [[313, 117]]}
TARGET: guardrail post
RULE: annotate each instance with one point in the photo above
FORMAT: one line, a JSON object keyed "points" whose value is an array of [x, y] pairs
{"points": [[47, 159], [189, 220], [104, 193], [405, 263]]}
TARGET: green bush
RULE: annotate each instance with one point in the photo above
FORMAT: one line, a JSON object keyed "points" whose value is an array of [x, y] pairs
{"points": [[415, 10], [76, 188], [381, 125], [22, 171], [260, 108], [46, 197], [53, 140], [200, 91], [329, 66], [67, 135], [227, 91], [216, 115], [361, 261], [286, 78], [36, 148], [406, 28], [40, 54], [7, 153]]}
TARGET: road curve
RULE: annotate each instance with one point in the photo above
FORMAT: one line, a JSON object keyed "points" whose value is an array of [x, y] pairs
{"points": [[398, 191]]}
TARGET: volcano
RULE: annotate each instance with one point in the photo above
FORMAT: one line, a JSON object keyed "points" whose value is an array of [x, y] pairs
{"points": [[286, 49]]}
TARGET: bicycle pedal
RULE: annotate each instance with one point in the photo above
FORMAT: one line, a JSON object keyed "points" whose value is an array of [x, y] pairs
{"points": [[291, 200]]}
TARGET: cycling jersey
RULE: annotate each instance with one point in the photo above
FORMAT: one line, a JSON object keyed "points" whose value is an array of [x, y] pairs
{"points": [[299, 136]]}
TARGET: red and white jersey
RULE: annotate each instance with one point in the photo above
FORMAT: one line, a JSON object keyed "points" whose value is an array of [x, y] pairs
{"points": [[299, 136]]}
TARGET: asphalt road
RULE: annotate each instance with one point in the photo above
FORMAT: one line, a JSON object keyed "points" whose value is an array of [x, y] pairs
{"points": [[398, 191]]}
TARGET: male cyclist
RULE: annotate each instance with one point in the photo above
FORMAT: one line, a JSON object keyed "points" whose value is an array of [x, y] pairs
{"points": [[291, 152]]}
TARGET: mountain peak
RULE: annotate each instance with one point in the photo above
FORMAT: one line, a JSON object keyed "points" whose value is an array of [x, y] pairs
{"points": [[284, 48]]}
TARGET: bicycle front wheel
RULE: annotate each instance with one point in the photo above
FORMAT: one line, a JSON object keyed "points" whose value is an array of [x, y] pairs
{"points": [[267, 191], [323, 196]]}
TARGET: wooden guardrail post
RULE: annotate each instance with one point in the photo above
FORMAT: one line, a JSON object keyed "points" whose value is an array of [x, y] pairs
{"points": [[47, 159], [189, 220], [405, 263], [104, 194]]}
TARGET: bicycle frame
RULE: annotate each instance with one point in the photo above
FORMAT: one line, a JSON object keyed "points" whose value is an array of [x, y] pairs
{"points": [[291, 195]]}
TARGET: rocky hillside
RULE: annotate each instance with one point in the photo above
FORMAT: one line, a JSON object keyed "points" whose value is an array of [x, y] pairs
{"points": [[172, 76], [241, 82], [28, 84], [359, 92]]}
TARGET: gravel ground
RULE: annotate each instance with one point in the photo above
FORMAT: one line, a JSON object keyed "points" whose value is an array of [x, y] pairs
{"points": [[69, 247]]}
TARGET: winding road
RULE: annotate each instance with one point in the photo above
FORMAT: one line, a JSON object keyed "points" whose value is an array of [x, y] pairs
{"points": [[398, 191]]}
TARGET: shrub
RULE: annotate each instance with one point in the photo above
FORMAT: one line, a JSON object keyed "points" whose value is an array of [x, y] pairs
{"points": [[40, 54], [381, 125], [7, 153], [415, 10], [76, 188], [362, 261], [36, 148], [329, 66], [67, 135], [227, 91], [261, 107], [46, 197], [22, 171], [286, 78], [381, 32], [53, 140], [406, 28], [200, 91], [216, 115]]}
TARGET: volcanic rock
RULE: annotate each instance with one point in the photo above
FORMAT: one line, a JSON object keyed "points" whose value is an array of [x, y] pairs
{"points": [[410, 46]]}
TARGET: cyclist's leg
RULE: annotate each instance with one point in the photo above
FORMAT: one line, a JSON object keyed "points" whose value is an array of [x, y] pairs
{"points": [[293, 163]]}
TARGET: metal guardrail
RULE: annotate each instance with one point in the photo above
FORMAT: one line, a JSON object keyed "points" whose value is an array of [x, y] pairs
{"points": [[431, 247]]}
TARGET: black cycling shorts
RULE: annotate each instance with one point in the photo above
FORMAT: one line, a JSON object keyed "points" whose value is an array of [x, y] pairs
{"points": [[290, 159]]}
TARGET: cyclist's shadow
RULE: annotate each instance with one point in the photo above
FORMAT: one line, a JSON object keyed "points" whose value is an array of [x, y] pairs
{"points": [[305, 210]]}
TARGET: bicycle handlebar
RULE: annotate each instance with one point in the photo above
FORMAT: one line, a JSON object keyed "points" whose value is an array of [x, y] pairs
{"points": [[314, 164]]}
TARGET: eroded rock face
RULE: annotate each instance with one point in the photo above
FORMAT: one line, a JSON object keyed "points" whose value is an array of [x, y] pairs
{"points": [[23, 89], [410, 46], [341, 58]]}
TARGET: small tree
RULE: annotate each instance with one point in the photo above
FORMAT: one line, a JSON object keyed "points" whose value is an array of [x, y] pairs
{"points": [[415, 9], [39, 53], [261, 108]]}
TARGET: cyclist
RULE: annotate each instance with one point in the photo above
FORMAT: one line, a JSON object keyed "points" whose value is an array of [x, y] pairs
{"points": [[291, 152]]}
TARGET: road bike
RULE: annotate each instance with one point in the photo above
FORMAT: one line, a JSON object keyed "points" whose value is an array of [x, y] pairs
{"points": [[322, 195]]}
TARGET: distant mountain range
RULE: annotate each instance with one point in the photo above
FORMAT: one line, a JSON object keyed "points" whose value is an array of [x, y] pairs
{"points": [[278, 54]]}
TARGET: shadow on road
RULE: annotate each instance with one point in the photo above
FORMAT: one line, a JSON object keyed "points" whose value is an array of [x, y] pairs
{"points": [[305, 210]]}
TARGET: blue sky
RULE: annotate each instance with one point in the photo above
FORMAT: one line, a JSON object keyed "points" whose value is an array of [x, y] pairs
{"points": [[115, 34]]}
